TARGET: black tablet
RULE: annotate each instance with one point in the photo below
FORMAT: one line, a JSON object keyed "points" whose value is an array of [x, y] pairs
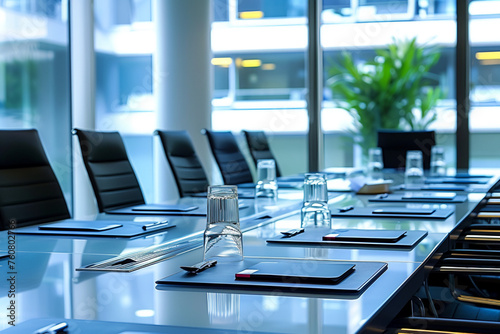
{"points": [[442, 196], [404, 211], [365, 235], [89, 226], [163, 208], [319, 273]]}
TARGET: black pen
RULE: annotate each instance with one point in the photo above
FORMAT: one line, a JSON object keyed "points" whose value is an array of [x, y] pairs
{"points": [[155, 225], [199, 267], [346, 208], [53, 328], [293, 232]]}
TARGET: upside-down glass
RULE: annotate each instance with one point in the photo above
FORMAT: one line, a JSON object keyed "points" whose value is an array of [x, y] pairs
{"points": [[266, 174], [375, 163], [315, 211], [438, 162], [222, 238], [414, 174]]}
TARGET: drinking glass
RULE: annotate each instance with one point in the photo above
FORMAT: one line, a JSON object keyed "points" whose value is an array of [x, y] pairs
{"points": [[414, 173], [315, 210], [266, 174], [222, 238], [375, 163], [438, 163]]}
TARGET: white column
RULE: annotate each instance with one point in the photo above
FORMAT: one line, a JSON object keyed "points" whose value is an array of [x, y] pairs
{"points": [[83, 99], [182, 76]]}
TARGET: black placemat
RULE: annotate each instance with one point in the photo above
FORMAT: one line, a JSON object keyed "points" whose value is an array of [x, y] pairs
{"points": [[111, 327], [457, 180], [128, 229], [419, 197], [158, 209], [222, 276], [433, 187], [314, 236], [412, 213]]}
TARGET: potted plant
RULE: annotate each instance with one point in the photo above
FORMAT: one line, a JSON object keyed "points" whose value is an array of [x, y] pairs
{"points": [[392, 91]]}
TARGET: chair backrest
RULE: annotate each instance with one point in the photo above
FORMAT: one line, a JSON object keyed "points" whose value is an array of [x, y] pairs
{"points": [[29, 191], [189, 174], [232, 164], [111, 174], [259, 147], [395, 144]]}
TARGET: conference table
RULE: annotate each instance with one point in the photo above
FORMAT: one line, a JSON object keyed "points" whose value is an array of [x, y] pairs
{"points": [[55, 279]]}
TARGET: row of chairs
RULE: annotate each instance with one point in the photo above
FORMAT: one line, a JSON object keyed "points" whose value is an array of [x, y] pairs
{"points": [[115, 183]]}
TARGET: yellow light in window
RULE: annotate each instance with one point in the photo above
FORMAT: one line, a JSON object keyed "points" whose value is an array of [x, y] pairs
{"points": [[487, 55], [251, 63], [268, 67], [252, 15], [226, 61]]}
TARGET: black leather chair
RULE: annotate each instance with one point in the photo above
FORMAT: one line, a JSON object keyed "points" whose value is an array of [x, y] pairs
{"points": [[395, 144], [189, 174], [111, 174], [259, 147], [29, 191], [232, 164]]}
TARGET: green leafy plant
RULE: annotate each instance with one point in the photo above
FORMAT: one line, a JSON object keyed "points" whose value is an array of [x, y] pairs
{"points": [[392, 91]]}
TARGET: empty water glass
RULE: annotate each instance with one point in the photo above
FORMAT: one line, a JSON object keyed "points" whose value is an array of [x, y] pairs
{"points": [[438, 163], [315, 210], [266, 174], [222, 238], [414, 173], [375, 163]]}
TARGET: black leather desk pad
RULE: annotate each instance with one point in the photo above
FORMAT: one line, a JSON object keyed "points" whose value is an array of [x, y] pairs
{"points": [[417, 198], [412, 213], [471, 176], [314, 237], [222, 276], [199, 211], [128, 229], [159, 209], [457, 180], [111, 327], [433, 187]]}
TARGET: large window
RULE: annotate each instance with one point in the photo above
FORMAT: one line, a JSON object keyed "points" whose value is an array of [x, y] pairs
{"points": [[485, 83], [35, 77], [359, 30], [259, 60], [124, 44]]}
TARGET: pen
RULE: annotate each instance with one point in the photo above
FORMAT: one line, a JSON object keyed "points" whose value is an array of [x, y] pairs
{"points": [[293, 232], [346, 208], [155, 225], [196, 268], [53, 328]]}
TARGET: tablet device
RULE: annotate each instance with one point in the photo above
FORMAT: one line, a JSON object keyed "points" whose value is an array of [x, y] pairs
{"points": [[467, 175], [404, 211], [162, 208], [319, 273], [365, 235], [444, 196], [444, 187], [90, 226]]}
